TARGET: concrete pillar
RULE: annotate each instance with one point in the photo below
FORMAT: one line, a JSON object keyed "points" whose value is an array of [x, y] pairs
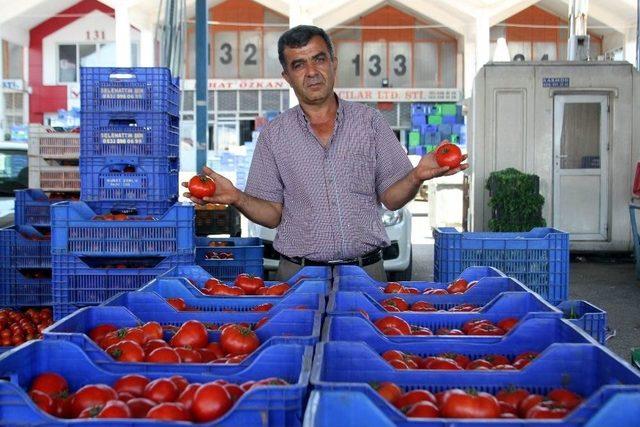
{"points": [[477, 49], [147, 48], [299, 14], [123, 35], [483, 41], [630, 45]]}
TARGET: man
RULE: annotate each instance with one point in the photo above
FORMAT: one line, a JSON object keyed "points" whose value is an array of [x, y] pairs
{"points": [[320, 169]]}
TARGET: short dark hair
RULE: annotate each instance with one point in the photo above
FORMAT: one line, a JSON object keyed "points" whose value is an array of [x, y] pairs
{"points": [[298, 37]]}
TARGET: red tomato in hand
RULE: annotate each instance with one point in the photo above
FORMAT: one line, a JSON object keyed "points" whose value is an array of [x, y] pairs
{"points": [[210, 402], [201, 186], [460, 404], [393, 322], [237, 340], [448, 154], [191, 334], [248, 283]]}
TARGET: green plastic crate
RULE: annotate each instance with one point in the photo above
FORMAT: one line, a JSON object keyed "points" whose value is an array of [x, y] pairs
{"points": [[414, 139], [448, 109], [435, 120]]}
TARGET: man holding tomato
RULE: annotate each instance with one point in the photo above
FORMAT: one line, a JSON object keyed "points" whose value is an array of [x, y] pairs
{"points": [[321, 168]]}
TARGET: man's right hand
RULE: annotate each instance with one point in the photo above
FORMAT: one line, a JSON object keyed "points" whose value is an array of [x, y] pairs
{"points": [[226, 193]]}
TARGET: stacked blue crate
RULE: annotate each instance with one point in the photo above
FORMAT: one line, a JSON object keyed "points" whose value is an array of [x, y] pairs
{"points": [[128, 228], [436, 122], [129, 139]]}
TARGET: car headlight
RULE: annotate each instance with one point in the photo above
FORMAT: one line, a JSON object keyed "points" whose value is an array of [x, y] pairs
{"points": [[390, 218]]}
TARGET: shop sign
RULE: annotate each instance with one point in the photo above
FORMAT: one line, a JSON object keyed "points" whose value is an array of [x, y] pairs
{"points": [[238, 84], [399, 95], [13, 84]]}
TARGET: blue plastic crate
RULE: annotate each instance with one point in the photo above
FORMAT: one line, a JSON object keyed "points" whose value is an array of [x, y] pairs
{"points": [[621, 410], [132, 207], [129, 134], [356, 328], [538, 258], [351, 302], [418, 120], [587, 316], [32, 208], [137, 89], [195, 299], [300, 283], [444, 129], [78, 282], [354, 278], [420, 108], [297, 326], [74, 231], [277, 405], [346, 367], [357, 407], [25, 287], [24, 247], [540, 335], [248, 253], [128, 178]]}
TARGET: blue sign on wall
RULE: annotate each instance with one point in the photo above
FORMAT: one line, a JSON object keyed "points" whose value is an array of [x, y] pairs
{"points": [[555, 82]]}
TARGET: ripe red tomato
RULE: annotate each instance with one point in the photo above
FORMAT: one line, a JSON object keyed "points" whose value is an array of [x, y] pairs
{"points": [[565, 397], [458, 285], [97, 333], [508, 323], [43, 401], [248, 283], [115, 409], [135, 334], [187, 395], [216, 349], [547, 410], [393, 322], [234, 390], [140, 406], [393, 288], [50, 383], [161, 390], [423, 410], [201, 186], [527, 355], [152, 331], [263, 307], [163, 355], [237, 340], [131, 383], [486, 329], [460, 359], [169, 411], [431, 291], [421, 331], [389, 391], [222, 289], [460, 404], [448, 154], [151, 345], [479, 364], [192, 334], [512, 396], [90, 396], [528, 403], [126, 351], [180, 382], [177, 303], [397, 302], [278, 289], [398, 364], [189, 355], [412, 397], [210, 402], [496, 359], [443, 363], [125, 396], [390, 355], [423, 306]]}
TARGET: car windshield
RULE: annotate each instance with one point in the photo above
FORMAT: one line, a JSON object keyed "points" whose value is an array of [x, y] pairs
{"points": [[13, 171]]}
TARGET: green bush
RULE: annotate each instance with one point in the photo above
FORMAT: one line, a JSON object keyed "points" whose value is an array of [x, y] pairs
{"points": [[515, 201]]}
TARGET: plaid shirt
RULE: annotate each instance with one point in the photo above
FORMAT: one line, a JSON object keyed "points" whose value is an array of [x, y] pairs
{"points": [[330, 195]]}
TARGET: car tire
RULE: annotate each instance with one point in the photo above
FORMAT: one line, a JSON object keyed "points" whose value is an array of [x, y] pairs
{"points": [[402, 276]]}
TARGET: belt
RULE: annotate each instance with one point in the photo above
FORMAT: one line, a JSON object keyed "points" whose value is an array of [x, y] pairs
{"points": [[364, 260]]}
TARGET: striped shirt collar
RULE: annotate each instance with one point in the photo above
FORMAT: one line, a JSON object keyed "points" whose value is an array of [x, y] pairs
{"points": [[302, 117]]}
